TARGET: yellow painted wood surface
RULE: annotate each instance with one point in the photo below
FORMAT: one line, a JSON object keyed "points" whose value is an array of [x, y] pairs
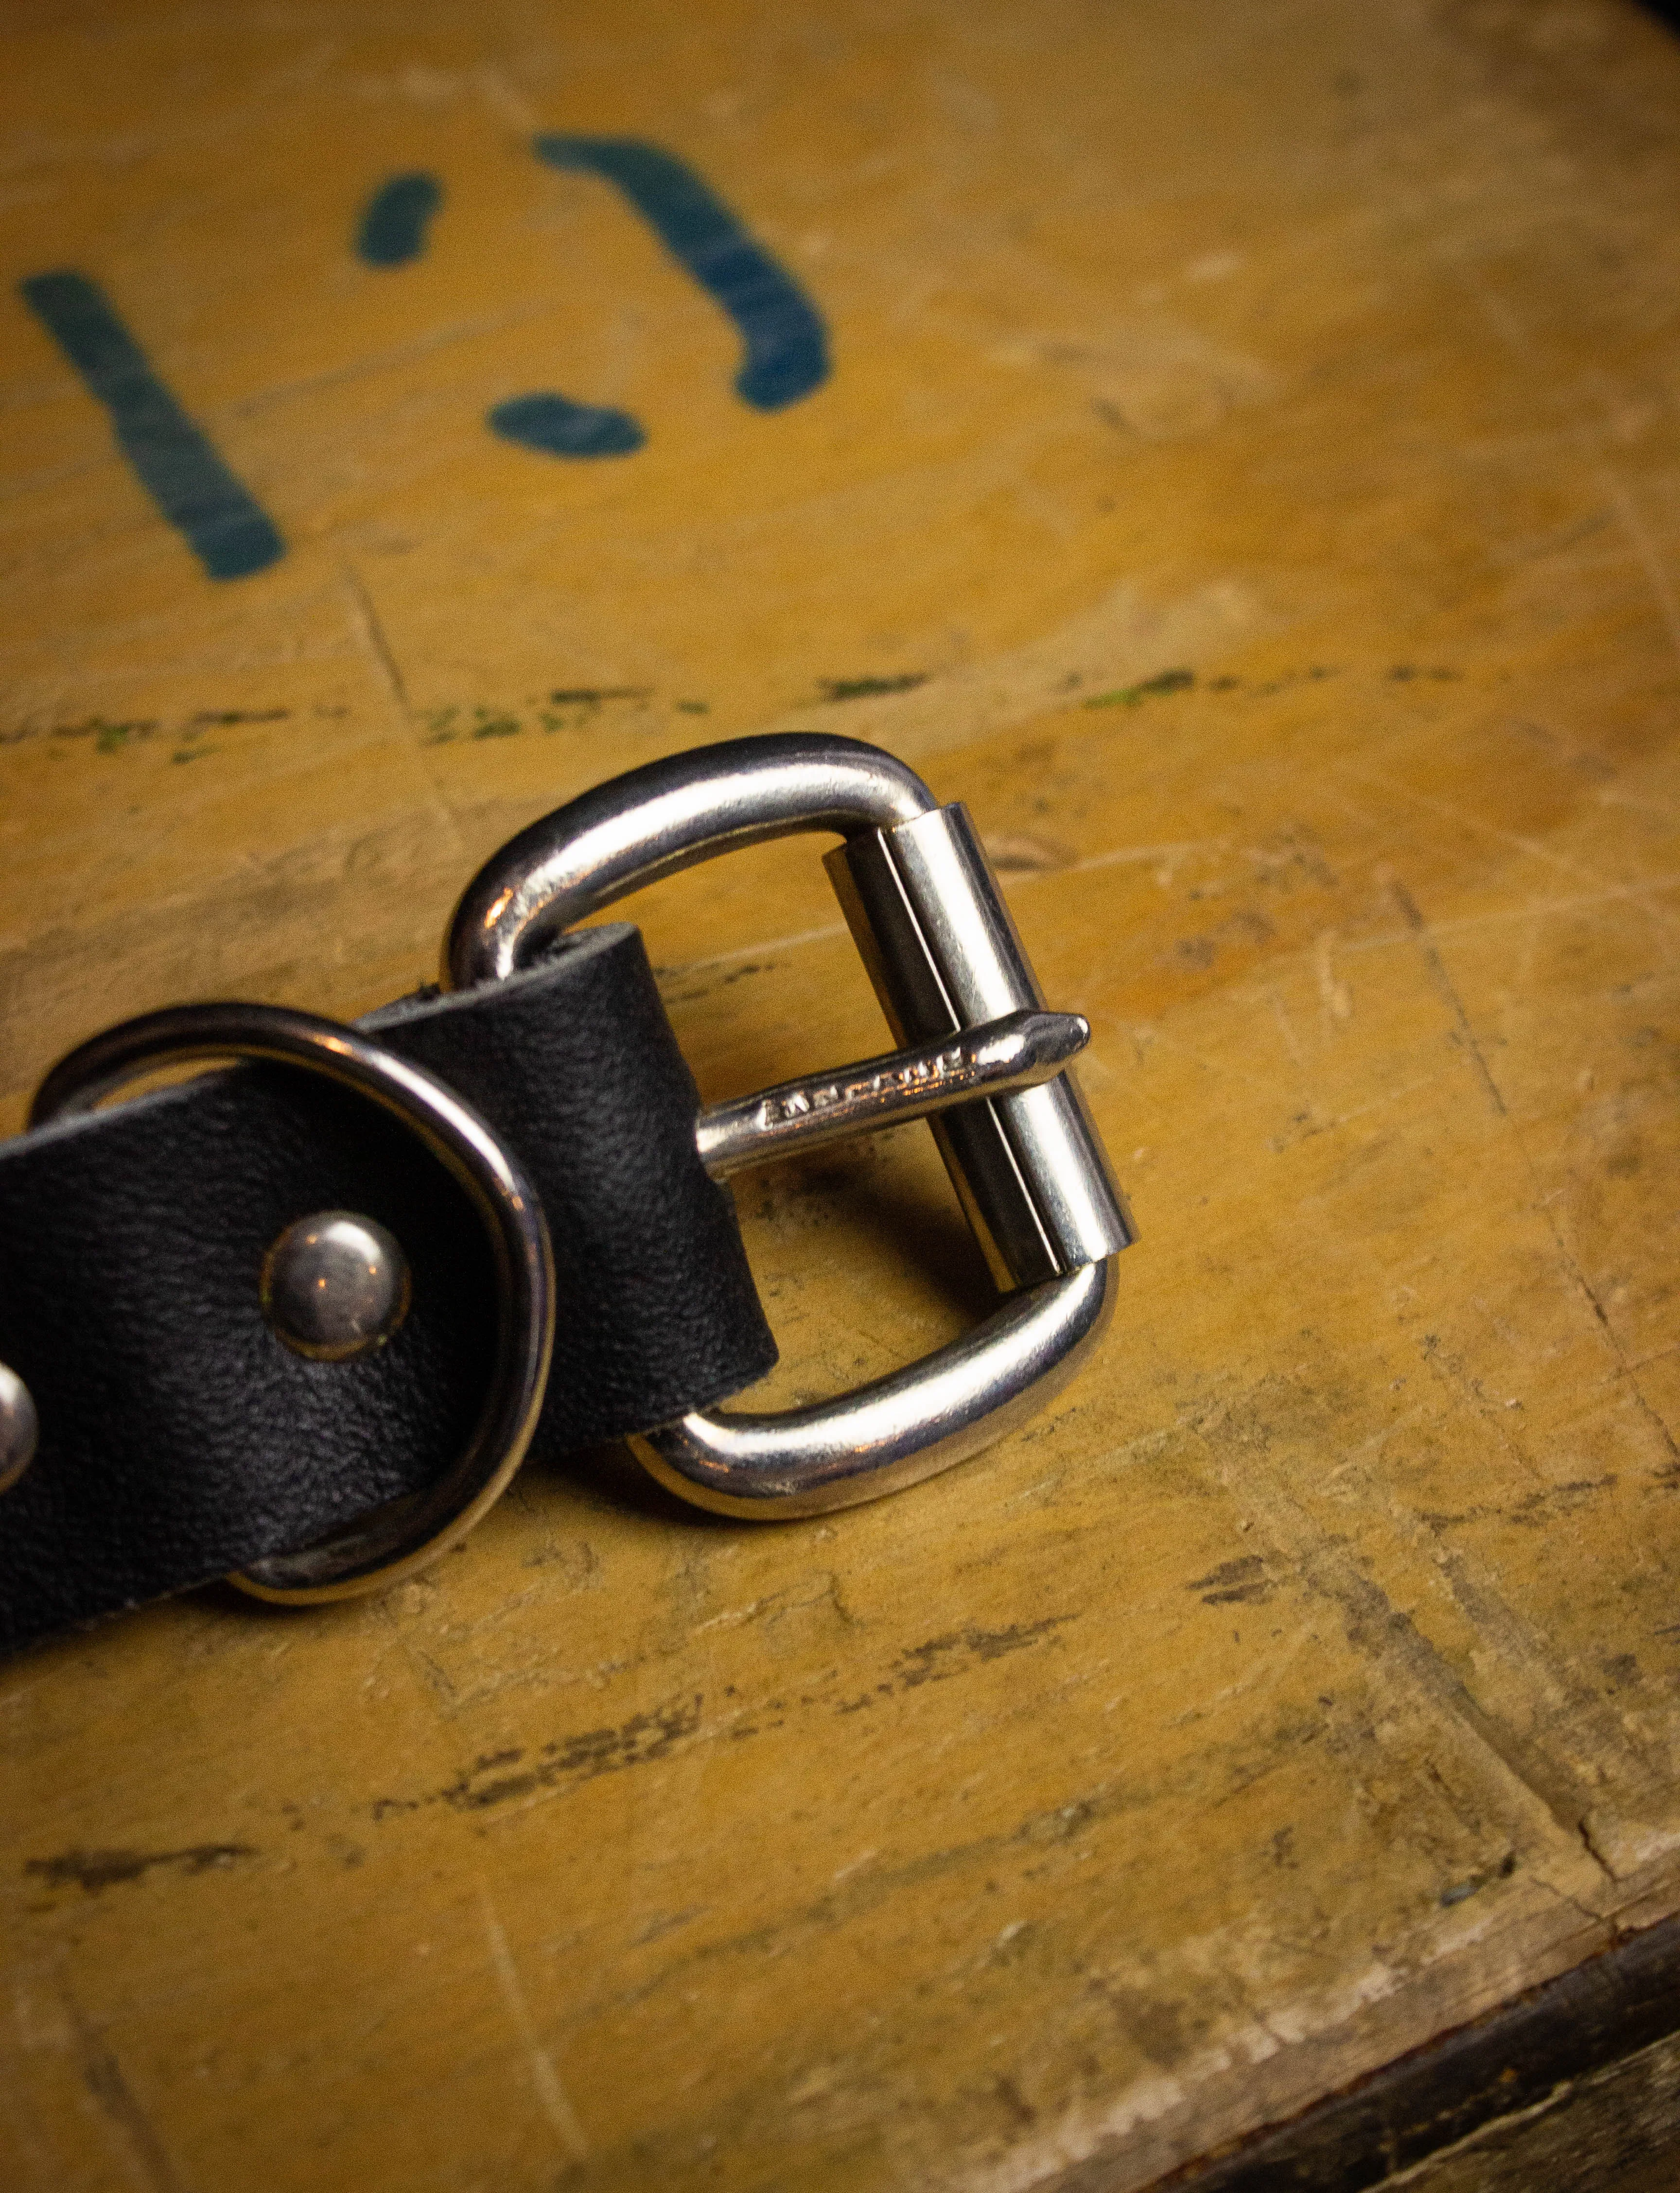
{"points": [[1309, 1678]]}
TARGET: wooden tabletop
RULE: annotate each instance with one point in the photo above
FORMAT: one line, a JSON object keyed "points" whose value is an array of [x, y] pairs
{"points": [[1237, 450]]}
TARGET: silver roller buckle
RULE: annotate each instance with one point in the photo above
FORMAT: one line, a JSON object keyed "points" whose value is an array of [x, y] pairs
{"points": [[979, 1052]]}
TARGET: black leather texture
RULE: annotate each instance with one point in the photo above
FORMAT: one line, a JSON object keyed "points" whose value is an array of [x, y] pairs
{"points": [[181, 1440]]}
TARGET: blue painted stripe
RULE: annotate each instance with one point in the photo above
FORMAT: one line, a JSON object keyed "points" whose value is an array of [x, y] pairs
{"points": [[178, 465], [394, 219], [561, 428], [786, 341]]}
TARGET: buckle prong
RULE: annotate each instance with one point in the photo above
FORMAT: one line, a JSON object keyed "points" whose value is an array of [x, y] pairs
{"points": [[1019, 1051]]}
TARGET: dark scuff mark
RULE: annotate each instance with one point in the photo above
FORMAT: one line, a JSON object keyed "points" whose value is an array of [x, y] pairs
{"points": [[591, 696], [1149, 688], [117, 736], [500, 1777], [864, 689], [497, 1776], [1018, 2108], [92, 1870], [1461, 1890], [666, 1922], [940, 1658], [1240, 1582]]}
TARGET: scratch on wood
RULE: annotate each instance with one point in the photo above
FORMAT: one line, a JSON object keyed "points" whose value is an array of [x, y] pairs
{"points": [[1641, 894], [1383, 1632], [1291, 1043], [1444, 981], [557, 2105], [1645, 548], [753, 951], [860, 1889], [1445, 984], [1372, 1619], [371, 634], [1334, 995], [102, 2074]]}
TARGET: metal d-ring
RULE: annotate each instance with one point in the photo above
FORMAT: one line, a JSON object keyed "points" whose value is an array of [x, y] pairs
{"points": [[395, 1540], [672, 813]]}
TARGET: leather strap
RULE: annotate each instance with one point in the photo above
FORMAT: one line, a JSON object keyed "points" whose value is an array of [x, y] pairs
{"points": [[180, 1439]]}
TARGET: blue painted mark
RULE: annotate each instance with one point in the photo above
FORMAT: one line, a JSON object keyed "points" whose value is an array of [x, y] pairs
{"points": [[786, 343], [564, 429], [394, 219], [178, 465]]}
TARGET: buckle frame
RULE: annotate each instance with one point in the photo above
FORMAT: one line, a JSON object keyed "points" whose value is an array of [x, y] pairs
{"points": [[934, 932]]}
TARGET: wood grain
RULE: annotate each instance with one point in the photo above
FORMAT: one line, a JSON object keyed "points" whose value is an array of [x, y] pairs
{"points": [[1250, 477]]}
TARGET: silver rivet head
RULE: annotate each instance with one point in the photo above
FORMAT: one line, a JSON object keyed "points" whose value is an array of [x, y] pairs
{"points": [[335, 1285], [20, 1428]]}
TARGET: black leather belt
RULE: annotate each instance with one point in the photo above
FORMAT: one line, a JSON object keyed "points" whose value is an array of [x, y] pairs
{"points": [[563, 1267]]}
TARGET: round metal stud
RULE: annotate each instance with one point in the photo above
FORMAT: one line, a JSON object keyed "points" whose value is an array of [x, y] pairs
{"points": [[20, 1428], [335, 1285], [408, 1534]]}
